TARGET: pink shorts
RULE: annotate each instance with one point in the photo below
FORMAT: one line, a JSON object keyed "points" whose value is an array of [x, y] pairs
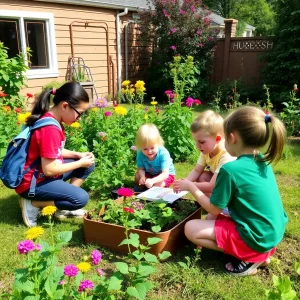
{"points": [[228, 239], [167, 181]]}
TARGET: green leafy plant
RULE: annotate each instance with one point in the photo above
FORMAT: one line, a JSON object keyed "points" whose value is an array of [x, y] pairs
{"points": [[153, 216], [176, 119], [12, 78], [291, 112], [282, 285]]}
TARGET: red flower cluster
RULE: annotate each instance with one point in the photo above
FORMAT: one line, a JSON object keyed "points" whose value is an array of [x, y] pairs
{"points": [[125, 192], [129, 210], [3, 94]]}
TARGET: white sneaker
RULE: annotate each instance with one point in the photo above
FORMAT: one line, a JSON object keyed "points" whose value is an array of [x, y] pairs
{"points": [[63, 214], [30, 213]]}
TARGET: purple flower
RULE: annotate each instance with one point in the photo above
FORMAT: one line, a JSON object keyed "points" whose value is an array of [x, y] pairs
{"points": [[133, 148], [100, 272], [173, 47], [173, 30], [101, 102], [181, 12], [96, 257], [38, 247], [85, 284], [167, 92], [107, 113], [137, 205], [199, 31], [70, 270], [26, 246], [171, 100]]}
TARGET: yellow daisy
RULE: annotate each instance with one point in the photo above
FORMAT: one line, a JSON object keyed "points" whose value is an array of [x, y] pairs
{"points": [[154, 102], [139, 84], [34, 232], [120, 110], [75, 124], [84, 267], [146, 117], [49, 210]]}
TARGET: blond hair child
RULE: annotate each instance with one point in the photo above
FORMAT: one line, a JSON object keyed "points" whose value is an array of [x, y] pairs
{"points": [[155, 165], [207, 131], [247, 186]]}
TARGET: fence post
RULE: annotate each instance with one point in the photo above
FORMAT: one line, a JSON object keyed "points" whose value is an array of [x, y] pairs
{"points": [[230, 29]]}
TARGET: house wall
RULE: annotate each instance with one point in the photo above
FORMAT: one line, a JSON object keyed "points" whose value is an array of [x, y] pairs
{"points": [[89, 42]]}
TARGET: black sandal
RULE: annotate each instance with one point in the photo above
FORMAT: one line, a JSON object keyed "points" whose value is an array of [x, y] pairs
{"points": [[242, 268]]}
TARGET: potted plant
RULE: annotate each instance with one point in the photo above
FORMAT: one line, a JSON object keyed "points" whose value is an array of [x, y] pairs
{"points": [[112, 221]]}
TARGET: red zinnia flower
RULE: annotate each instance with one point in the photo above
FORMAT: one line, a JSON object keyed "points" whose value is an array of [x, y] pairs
{"points": [[115, 104], [129, 210], [3, 94], [18, 110], [125, 192], [29, 95]]}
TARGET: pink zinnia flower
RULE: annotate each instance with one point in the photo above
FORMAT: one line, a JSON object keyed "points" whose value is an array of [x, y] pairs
{"points": [[197, 101], [181, 12], [133, 148], [100, 272], [173, 47], [171, 100], [101, 102], [168, 92], [189, 101], [146, 108], [26, 246], [173, 30], [129, 210], [96, 257], [125, 192], [18, 110], [107, 113], [137, 205], [62, 282], [70, 270], [85, 284], [102, 134]]}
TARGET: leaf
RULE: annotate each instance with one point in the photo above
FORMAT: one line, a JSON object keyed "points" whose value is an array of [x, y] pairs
{"points": [[114, 283], [153, 240], [27, 286], [145, 270], [156, 228], [150, 257], [164, 255], [64, 236], [122, 267], [138, 255], [182, 264], [139, 291], [297, 267]]}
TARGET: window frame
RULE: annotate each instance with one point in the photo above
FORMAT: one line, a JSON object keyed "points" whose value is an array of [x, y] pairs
{"points": [[48, 18]]}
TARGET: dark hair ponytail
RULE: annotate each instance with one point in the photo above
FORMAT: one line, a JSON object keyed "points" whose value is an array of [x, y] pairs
{"points": [[71, 92]]}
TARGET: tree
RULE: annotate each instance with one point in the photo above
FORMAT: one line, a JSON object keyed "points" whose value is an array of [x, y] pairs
{"points": [[258, 13], [283, 68]]}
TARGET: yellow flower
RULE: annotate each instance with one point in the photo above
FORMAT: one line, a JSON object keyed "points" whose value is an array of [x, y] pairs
{"points": [[23, 116], [75, 124], [123, 91], [6, 108], [84, 267], [120, 110], [153, 102], [141, 89], [139, 106], [94, 109], [125, 82], [139, 84], [49, 210], [146, 117], [34, 232], [132, 90]]}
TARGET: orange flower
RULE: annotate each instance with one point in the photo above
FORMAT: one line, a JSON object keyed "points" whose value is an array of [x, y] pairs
{"points": [[6, 108]]}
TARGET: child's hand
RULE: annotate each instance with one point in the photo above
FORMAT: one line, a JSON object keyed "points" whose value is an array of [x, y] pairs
{"points": [[181, 185], [142, 181], [87, 161], [149, 183]]}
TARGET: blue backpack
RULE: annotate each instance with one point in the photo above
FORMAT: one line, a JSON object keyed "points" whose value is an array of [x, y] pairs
{"points": [[12, 168]]}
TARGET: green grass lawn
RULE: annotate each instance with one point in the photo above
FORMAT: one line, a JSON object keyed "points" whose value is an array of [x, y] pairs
{"points": [[204, 279]]}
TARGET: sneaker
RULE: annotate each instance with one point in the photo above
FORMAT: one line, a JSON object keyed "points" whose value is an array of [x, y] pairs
{"points": [[30, 213], [63, 214]]}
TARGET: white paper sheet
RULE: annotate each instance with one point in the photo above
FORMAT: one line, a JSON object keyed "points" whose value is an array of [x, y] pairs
{"points": [[157, 193]]}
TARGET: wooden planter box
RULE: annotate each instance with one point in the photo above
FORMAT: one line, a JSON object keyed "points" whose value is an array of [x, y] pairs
{"points": [[111, 235]]}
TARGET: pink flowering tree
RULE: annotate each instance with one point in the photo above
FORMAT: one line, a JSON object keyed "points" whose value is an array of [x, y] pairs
{"points": [[177, 28]]}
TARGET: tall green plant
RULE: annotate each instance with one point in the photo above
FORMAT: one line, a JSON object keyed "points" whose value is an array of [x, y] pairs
{"points": [[12, 78]]}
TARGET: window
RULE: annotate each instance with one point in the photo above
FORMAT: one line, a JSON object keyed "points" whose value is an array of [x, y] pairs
{"points": [[21, 29]]}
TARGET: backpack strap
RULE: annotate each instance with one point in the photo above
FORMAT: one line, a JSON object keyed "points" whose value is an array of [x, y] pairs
{"points": [[38, 124]]}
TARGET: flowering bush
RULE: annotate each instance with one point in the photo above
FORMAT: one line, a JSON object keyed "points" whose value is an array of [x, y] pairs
{"points": [[135, 213], [45, 277], [177, 28]]}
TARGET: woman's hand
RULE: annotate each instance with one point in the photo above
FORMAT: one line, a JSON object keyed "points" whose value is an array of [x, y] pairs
{"points": [[87, 159]]}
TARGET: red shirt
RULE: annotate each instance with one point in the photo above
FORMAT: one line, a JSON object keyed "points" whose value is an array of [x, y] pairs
{"points": [[47, 142]]}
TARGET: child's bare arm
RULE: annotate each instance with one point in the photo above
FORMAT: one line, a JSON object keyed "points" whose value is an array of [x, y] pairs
{"points": [[195, 173], [161, 177], [207, 187]]}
